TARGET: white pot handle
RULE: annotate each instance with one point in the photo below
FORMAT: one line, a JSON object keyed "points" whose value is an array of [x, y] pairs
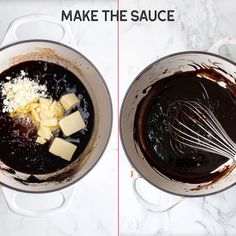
{"points": [[67, 194], [170, 200], [11, 196], [216, 47], [11, 37]]}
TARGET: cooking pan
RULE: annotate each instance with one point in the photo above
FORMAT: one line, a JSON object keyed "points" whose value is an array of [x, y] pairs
{"points": [[159, 70], [14, 52]]}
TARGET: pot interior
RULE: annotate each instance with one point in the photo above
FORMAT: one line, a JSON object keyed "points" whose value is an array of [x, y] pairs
{"points": [[163, 68], [40, 50]]}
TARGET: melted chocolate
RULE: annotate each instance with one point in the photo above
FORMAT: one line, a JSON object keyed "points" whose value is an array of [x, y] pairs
{"points": [[18, 148], [151, 129]]}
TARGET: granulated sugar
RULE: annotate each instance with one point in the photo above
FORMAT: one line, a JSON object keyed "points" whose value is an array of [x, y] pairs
{"points": [[20, 91]]}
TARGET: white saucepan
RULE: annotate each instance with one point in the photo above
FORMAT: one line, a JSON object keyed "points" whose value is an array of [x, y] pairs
{"points": [[159, 70], [14, 52]]}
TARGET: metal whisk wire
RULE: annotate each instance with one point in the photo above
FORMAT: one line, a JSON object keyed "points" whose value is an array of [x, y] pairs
{"points": [[195, 126]]}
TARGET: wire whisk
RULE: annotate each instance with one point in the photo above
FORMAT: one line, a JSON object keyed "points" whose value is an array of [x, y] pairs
{"points": [[194, 125]]}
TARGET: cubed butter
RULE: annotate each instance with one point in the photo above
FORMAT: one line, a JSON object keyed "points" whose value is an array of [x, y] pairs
{"points": [[59, 107], [53, 128], [59, 110], [72, 123], [35, 115], [45, 102], [69, 101], [52, 107], [46, 114], [41, 140], [45, 132], [62, 148], [49, 123], [34, 106]]}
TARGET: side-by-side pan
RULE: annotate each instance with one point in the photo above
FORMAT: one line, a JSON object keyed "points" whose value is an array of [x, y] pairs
{"points": [[159, 71], [69, 58]]}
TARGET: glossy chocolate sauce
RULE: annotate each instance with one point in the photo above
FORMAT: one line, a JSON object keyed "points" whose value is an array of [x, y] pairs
{"points": [[18, 148], [151, 128]]}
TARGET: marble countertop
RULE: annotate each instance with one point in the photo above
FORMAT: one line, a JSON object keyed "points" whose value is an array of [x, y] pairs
{"points": [[198, 25], [94, 207], [93, 211]]}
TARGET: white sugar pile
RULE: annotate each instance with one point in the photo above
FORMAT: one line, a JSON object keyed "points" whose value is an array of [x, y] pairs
{"points": [[20, 91]]}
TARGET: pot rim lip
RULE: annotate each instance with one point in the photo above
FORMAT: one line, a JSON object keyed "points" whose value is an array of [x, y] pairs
{"points": [[110, 108], [121, 118]]}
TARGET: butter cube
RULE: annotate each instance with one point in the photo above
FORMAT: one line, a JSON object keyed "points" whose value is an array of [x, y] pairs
{"points": [[34, 105], [52, 107], [41, 140], [62, 148], [69, 101], [71, 123], [45, 132], [49, 123], [35, 116], [56, 105], [59, 110], [45, 102], [46, 115]]}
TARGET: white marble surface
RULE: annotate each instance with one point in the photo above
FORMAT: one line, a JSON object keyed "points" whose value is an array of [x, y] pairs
{"points": [[198, 25], [94, 208]]}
